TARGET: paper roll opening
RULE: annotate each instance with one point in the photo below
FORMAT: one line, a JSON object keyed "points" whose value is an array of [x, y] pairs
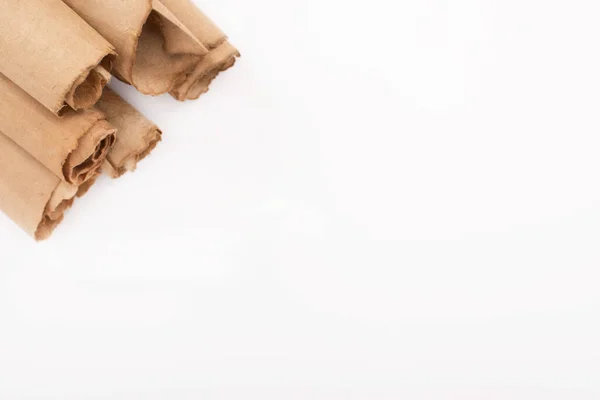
{"points": [[84, 162], [87, 90]]}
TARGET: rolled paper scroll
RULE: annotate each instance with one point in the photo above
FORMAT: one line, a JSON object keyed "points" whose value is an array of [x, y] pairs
{"points": [[31, 195], [220, 57], [136, 135], [53, 54], [163, 46], [72, 147]]}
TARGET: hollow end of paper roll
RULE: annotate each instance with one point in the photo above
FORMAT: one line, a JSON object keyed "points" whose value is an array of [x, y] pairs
{"points": [[48, 224], [85, 161], [154, 71], [60, 201], [87, 90], [129, 164], [202, 85], [219, 59]]}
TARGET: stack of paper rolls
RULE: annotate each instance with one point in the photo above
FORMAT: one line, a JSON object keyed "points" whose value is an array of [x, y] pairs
{"points": [[60, 125]]}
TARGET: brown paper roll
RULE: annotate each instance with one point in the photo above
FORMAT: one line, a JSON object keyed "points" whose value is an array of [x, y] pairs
{"points": [[31, 195], [52, 54], [136, 136], [221, 56], [72, 148], [164, 46]]}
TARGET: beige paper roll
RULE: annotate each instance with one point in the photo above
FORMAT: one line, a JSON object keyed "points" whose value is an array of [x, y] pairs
{"points": [[31, 195], [72, 147], [52, 54], [164, 46], [221, 56], [136, 135]]}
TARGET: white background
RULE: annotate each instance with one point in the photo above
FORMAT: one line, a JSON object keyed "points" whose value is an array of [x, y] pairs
{"points": [[382, 200]]}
